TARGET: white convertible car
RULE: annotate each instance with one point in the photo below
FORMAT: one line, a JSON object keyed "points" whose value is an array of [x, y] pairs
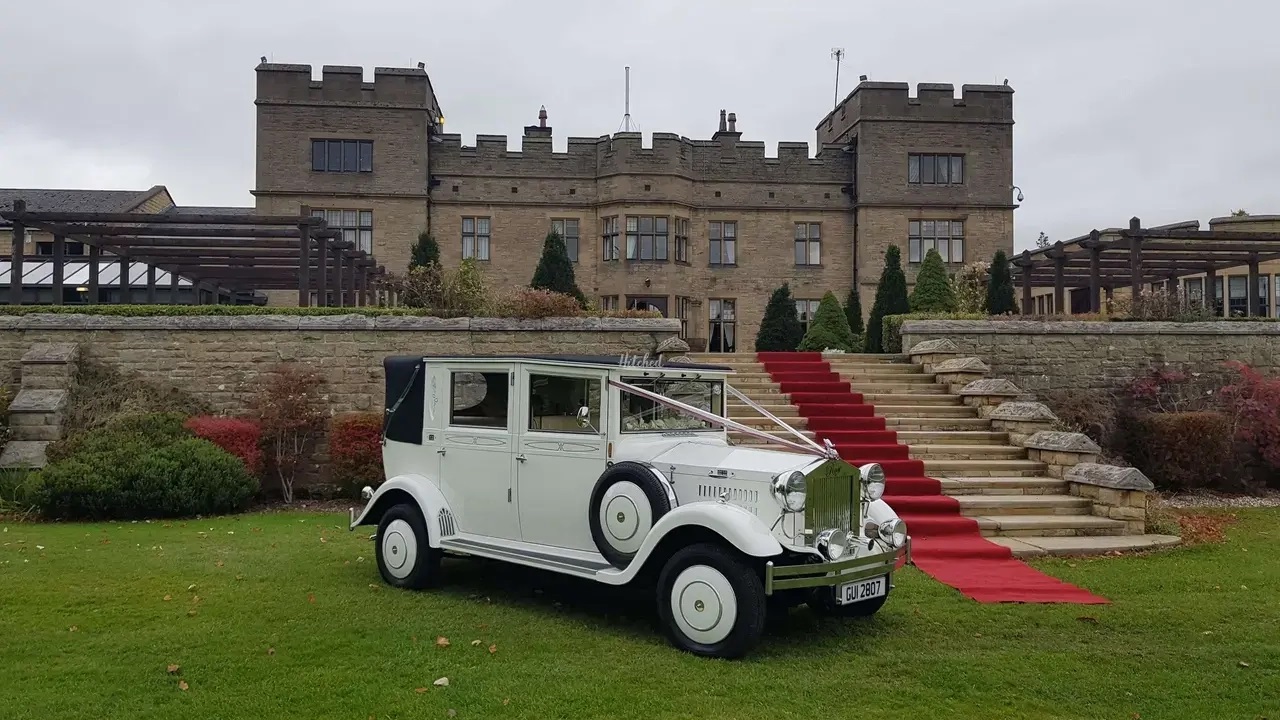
{"points": [[625, 474]]}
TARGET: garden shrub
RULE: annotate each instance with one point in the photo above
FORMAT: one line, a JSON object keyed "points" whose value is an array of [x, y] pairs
{"points": [[1160, 305], [465, 291], [355, 450], [933, 292], [1184, 450], [425, 252], [238, 436], [1000, 286], [853, 311], [1092, 412], [420, 287], [291, 412], [555, 269], [143, 467], [1254, 401], [533, 304], [891, 299], [780, 329], [829, 329], [100, 393], [151, 429], [971, 289], [891, 335], [19, 488]]}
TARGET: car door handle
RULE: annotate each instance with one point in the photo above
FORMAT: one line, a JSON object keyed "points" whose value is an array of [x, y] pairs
{"points": [[440, 451], [521, 458]]}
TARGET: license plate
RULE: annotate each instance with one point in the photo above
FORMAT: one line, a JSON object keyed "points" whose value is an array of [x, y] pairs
{"points": [[862, 590]]}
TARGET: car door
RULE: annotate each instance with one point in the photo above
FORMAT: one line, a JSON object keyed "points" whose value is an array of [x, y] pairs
{"points": [[477, 450], [557, 461]]}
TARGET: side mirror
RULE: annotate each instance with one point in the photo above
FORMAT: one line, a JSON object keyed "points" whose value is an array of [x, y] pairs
{"points": [[584, 417]]}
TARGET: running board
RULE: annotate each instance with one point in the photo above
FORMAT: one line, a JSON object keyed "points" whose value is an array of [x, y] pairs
{"points": [[569, 566]]}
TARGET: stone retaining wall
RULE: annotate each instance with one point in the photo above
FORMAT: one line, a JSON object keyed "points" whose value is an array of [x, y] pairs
{"points": [[216, 358], [1041, 356]]}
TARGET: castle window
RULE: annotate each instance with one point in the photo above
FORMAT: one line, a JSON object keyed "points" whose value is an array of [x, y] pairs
{"points": [[931, 169], [647, 238], [805, 310], [682, 240], [475, 238], [568, 230], [356, 226], [724, 243], [342, 155], [68, 248], [723, 333], [808, 244], [945, 236], [609, 233], [609, 302]]}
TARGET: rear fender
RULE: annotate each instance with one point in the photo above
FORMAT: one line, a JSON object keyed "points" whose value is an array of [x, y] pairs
{"points": [[413, 488]]}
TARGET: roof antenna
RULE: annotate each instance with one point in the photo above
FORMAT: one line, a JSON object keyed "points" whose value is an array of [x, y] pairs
{"points": [[626, 117], [838, 54]]}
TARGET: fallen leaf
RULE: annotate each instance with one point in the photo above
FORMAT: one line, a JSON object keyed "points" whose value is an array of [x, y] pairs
{"points": [[482, 626], [360, 559], [419, 690], [167, 598], [195, 598], [218, 564], [493, 649], [442, 641], [414, 638], [1244, 664], [1135, 716], [183, 686], [239, 577], [323, 540], [441, 682], [452, 712], [977, 635], [475, 643], [191, 612], [172, 669], [39, 547], [1207, 632], [506, 701], [271, 651], [1087, 619], [311, 599], [73, 628], [190, 588]]}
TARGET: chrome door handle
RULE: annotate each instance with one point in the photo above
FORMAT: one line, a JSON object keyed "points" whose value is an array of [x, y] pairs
{"points": [[440, 451], [521, 458]]}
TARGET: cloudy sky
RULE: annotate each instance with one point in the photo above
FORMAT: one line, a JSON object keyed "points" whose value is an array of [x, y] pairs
{"points": [[1163, 109]]}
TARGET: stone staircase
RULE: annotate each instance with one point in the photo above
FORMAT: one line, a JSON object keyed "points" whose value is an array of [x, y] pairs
{"points": [[975, 436], [35, 414]]}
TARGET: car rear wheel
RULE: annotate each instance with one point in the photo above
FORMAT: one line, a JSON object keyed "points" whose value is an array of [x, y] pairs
{"points": [[711, 601], [405, 558]]}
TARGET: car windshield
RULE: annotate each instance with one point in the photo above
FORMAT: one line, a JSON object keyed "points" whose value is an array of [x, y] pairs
{"points": [[641, 414]]}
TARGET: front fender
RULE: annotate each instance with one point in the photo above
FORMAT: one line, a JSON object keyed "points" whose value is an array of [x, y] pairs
{"points": [[420, 490], [880, 512], [740, 528]]}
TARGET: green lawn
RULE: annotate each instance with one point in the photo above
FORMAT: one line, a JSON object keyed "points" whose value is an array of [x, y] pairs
{"points": [[284, 615]]}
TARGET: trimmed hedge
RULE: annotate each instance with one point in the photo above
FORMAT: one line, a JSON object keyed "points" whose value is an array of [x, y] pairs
{"points": [[251, 310], [142, 466], [829, 329], [891, 340]]}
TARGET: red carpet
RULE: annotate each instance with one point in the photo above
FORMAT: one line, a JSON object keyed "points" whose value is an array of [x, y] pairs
{"points": [[944, 543]]}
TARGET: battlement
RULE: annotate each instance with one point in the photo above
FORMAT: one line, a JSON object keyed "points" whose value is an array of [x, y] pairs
{"points": [[625, 152], [408, 88], [932, 102]]}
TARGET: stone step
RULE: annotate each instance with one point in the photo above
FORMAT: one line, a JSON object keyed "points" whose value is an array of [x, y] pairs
{"points": [[782, 411], [911, 399], [1001, 505], [917, 378], [1038, 526], [736, 435], [936, 424], [925, 411], [898, 388], [967, 452], [1028, 547], [763, 422], [955, 437], [987, 486], [978, 468], [49, 366], [24, 454], [36, 414]]}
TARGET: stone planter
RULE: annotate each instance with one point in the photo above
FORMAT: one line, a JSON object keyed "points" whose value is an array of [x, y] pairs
{"points": [[959, 372], [989, 393], [931, 352], [1022, 420], [1061, 451], [1118, 493]]}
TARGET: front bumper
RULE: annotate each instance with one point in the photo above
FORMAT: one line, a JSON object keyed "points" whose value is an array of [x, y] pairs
{"points": [[830, 574]]}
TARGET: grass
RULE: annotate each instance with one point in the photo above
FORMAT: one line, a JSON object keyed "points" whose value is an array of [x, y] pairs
{"points": [[284, 615]]}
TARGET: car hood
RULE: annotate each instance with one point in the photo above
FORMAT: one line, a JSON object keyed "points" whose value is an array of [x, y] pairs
{"points": [[734, 459]]}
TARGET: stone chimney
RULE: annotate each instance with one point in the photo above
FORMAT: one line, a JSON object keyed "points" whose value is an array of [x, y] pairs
{"points": [[728, 128], [542, 129]]}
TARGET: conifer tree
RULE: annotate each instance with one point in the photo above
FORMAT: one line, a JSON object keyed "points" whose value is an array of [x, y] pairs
{"points": [[829, 329], [780, 328], [1000, 286], [933, 292], [425, 252], [555, 270], [891, 299]]}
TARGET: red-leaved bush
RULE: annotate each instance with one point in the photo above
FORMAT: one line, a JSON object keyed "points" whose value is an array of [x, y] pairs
{"points": [[1254, 399], [291, 410], [240, 437], [355, 449]]}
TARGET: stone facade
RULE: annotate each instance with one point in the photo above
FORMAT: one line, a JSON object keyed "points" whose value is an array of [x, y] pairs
{"points": [[1042, 356], [854, 189], [216, 358]]}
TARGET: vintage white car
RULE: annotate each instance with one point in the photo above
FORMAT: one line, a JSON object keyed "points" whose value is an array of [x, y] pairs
{"points": [[625, 474]]}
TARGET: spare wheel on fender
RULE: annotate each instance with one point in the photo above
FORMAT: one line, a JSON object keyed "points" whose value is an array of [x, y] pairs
{"points": [[627, 501]]}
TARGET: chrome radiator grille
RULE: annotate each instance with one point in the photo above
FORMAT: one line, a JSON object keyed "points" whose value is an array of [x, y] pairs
{"points": [[831, 499]]}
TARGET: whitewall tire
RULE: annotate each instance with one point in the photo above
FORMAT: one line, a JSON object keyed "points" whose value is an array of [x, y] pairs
{"points": [[711, 601], [626, 502], [405, 557]]}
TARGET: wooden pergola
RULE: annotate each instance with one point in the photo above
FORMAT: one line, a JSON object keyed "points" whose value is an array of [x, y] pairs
{"points": [[1137, 256], [227, 256]]}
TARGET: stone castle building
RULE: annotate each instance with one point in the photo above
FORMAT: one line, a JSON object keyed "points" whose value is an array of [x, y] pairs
{"points": [[703, 230]]}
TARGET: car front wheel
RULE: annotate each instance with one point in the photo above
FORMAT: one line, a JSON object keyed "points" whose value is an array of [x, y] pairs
{"points": [[711, 602], [405, 558]]}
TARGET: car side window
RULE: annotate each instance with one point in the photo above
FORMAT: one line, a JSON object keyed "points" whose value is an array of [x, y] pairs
{"points": [[554, 401], [479, 399]]}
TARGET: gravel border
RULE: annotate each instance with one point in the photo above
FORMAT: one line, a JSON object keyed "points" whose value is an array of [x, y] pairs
{"points": [[1207, 499]]}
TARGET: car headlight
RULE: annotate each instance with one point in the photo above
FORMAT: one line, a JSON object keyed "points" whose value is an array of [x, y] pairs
{"points": [[894, 533], [789, 489], [872, 481], [366, 493], [833, 543]]}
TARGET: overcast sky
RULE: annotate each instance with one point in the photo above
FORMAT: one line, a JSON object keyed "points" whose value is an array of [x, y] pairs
{"points": [[1168, 110]]}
